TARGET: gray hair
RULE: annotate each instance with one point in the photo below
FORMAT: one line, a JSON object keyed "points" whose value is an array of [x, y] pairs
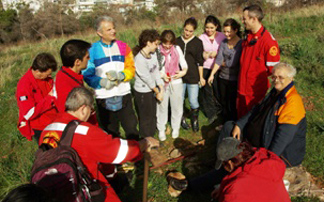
{"points": [[291, 69], [78, 97], [102, 19]]}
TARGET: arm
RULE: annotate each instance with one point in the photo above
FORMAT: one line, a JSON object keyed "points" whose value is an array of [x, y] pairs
{"points": [[282, 138], [129, 65], [201, 75], [200, 61], [218, 61], [89, 73], [28, 107], [272, 55], [290, 116], [107, 149], [183, 64]]}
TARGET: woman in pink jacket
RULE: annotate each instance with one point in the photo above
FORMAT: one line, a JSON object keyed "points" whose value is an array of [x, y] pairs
{"points": [[211, 38]]}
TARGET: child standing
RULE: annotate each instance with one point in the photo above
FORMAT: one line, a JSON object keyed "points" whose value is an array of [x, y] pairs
{"points": [[171, 74]]}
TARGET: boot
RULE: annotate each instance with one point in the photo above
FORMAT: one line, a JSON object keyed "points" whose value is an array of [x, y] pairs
{"points": [[194, 120], [184, 123]]}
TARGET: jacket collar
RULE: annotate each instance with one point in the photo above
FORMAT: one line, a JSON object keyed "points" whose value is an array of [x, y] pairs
{"points": [[285, 90], [106, 45]]}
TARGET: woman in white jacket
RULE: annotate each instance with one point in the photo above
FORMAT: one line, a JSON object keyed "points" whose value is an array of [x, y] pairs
{"points": [[174, 66]]}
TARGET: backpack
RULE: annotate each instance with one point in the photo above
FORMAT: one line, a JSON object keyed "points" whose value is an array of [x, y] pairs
{"points": [[61, 172]]}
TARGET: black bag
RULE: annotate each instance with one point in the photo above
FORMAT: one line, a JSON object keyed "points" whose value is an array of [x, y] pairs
{"points": [[61, 172]]}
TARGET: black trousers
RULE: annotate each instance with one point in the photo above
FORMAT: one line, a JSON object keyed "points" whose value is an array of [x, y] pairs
{"points": [[228, 92], [208, 101], [146, 111], [110, 121]]}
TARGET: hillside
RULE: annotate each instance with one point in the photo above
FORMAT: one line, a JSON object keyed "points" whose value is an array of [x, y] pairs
{"points": [[301, 38]]}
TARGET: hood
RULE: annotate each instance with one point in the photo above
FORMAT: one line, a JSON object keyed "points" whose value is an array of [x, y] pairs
{"points": [[264, 164]]}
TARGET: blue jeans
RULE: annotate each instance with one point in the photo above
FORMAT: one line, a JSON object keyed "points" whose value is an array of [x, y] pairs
{"points": [[193, 91]]}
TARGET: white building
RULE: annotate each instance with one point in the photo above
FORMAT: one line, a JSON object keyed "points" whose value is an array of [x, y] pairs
{"points": [[33, 4], [148, 4]]}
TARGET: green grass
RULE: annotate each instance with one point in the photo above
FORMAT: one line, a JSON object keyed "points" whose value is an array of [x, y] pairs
{"points": [[301, 40]]}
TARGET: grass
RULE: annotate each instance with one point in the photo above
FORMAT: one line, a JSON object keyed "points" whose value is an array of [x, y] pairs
{"points": [[300, 36]]}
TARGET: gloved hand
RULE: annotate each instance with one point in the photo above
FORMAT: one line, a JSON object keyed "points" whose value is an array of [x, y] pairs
{"points": [[107, 84], [114, 76]]}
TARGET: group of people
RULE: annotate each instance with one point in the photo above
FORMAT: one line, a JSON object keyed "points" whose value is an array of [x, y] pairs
{"points": [[221, 68]]}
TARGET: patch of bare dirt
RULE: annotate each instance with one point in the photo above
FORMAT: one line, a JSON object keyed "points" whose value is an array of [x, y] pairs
{"points": [[302, 183]]}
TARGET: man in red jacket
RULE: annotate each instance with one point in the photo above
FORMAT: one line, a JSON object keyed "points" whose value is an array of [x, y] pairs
{"points": [[254, 174], [260, 52], [35, 97], [75, 56], [92, 144]]}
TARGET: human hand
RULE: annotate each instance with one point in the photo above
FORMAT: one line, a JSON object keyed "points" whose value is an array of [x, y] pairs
{"points": [[107, 84], [211, 80], [114, 76], [202, 82], [179, 74], [151, 143], [236, 133], [212, 54], [51, 93], [166, 78], [215, 193], [159, 96], [206, 55]]}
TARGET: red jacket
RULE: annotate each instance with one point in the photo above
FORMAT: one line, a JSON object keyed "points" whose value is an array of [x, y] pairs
{"points": [[93, 146], [256, 63], [65, 81], [260, 179], [36, 110]]}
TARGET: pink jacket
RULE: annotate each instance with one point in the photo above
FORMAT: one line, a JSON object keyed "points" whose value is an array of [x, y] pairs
{"points": [[209, 46]]}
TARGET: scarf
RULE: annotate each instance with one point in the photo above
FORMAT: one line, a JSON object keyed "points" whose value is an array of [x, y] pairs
{"points": [[172, 65]]}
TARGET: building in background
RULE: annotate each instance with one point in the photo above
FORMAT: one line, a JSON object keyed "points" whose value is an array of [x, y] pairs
{"points": [[80, 6]]}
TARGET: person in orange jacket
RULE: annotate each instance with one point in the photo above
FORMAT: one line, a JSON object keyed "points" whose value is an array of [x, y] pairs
{"points": [[35, 98]]}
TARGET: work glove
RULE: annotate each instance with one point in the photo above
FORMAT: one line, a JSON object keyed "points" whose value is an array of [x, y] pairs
{"points": [[107, 84], [114, 76]]}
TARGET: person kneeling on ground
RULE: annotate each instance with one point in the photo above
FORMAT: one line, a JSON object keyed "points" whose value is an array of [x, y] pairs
{"points": [[254, 174], [91, 143]]}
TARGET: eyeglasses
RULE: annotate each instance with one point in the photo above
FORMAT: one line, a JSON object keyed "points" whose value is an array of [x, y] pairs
{"points": [[273, 77]]}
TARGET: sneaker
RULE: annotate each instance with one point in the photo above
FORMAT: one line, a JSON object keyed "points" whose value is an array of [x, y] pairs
{"points": [[162, 136], [175, 134]]}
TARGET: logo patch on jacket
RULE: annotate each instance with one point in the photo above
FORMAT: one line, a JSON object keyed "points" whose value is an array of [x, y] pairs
{"points": [[23, 98], [273, 51], [51, 138]]}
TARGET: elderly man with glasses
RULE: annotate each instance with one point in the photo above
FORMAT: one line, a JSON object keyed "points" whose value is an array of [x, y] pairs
{"points": [[278, 123]]}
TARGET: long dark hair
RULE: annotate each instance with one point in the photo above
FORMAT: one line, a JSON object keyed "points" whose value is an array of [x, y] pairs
{"points": [[234, 25], [147, 35], [212, 19], [191, 21]]}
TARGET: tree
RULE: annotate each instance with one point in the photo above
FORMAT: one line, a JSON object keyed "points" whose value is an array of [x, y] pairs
{"points": [[8, 26]]}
